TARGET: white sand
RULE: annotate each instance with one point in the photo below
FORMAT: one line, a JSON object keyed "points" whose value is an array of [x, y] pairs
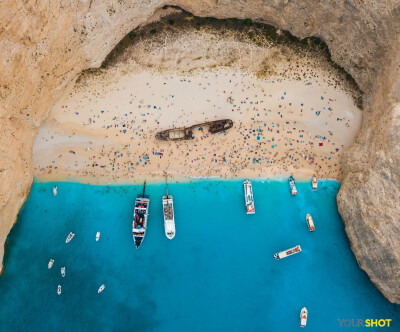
{"points": [[110, 127]]}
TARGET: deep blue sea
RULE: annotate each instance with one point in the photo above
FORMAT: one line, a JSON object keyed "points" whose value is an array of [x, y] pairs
{"points": [[217, 274]]}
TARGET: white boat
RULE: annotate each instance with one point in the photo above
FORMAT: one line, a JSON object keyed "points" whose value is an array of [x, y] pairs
{"points": [[55, 190], [97, 236], [248, 197], [51, 262], [63, 271], [310, 223], [169, 217], [69, 237], [288, 252], [314, 183], [59, 290], [140, 216], [101, 288], [292, 184], [303, 317]]}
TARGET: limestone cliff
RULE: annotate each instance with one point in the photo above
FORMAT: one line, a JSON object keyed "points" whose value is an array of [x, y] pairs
{"points": [[45, 44]]}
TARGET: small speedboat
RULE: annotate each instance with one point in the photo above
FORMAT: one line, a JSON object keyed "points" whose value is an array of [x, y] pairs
{"points": [[59, 290], [101, 288], [292, 184], [310, 223], [97, 236], [314, 183], [55, 190], [69, 238], [303, 317], [63, 271], [51, 262]]}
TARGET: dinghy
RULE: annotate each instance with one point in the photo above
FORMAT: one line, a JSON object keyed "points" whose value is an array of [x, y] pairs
{"points": [[303, 317], [69, 237]]}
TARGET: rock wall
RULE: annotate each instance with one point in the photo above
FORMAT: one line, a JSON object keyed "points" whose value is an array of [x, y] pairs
{"points": [[45, 44]]}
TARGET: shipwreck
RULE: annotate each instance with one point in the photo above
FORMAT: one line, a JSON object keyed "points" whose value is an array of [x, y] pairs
{"points": [[186, 133]]}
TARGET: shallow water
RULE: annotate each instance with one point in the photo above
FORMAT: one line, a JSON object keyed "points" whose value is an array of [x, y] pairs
{"points": [[218, 273]]}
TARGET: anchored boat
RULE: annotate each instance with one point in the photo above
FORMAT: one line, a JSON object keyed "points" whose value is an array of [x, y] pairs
{"points": [[63, 271], [303, 317], [314, 183], [310, 223], [248, 197], [169, 218], [55, 190], [140, 216], [101, 288], [59, 290], [50, 265], [97, 236], [288, 252], [69, 237], [292, 184]]}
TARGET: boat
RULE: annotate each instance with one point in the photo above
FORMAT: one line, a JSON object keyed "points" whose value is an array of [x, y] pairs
{"points": [[186, 133], [97, 236], [51, 262], [69, 237], [288, 252], [169, 217], [303, 317], [63, 271], [292, 184], [314, 183], [140, 216], [248, 197], [59, 290], [55, 190], [310, 223], [101, 288]]}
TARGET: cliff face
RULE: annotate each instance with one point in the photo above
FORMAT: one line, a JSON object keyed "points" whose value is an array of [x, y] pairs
{"points": [[44, 46], [370, 195]]}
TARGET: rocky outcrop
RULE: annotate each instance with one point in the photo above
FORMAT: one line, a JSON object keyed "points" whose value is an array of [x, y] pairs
{"points": [[370, 195], [45, 44]]}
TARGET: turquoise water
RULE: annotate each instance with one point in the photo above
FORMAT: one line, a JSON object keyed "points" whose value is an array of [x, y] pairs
{"points": [[218, 274]]}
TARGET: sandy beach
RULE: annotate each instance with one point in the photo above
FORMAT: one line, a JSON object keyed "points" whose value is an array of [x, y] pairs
{"points": [[103, 130]]}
